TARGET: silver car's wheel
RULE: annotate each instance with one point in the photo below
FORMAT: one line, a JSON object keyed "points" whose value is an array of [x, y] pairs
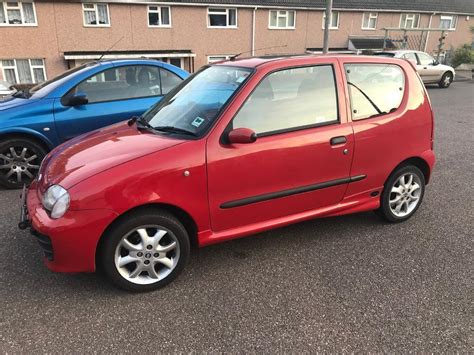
{"points": [[147, 254], [446, 80], [405, 195]]}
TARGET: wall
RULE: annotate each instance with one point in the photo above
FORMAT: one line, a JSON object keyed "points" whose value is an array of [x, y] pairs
{"points": [[60, 28]]}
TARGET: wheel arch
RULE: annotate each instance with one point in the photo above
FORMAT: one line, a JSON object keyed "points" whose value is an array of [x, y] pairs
{"points": [[420, 163], [183, 216], [28, 134]]}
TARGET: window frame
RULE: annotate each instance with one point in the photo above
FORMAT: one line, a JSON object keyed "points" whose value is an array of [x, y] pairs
{"points": [[384, 115], [31, 66], [286, 16], [159, 67], [403, 24], [4, 5], [96, 14], [330, 20], [453, 20], [230, 125], [210, 12], [371, 15], [158, 11]]}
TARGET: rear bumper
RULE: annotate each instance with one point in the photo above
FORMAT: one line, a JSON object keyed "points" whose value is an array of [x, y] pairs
{"points": [[69, 243]]}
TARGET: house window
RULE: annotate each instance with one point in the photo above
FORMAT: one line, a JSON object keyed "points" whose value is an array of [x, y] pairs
{"points": [[369, 21], [409, 20], [334, 20], [281, 19], [159, 16], [15, 13], [218, 58], [96, 15], [23, 71], [448, 22], [220, 17]]}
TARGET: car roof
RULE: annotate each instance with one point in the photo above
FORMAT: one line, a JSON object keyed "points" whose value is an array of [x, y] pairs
{"points": [[254, 62]]}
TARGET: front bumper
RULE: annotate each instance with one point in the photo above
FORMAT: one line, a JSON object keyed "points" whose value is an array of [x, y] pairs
{"points": [[70, 242]]}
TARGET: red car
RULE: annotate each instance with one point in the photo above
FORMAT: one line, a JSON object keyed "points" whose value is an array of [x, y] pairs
{"points": [[240, 147]]}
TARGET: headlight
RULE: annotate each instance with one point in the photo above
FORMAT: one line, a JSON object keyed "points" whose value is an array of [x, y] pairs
{"points": [[56, 201]]}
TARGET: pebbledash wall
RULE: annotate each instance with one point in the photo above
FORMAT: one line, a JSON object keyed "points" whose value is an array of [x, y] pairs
{"points": [[59, 37]]}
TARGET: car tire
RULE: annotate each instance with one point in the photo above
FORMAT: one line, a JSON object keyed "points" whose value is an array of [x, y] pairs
{"points": [[138, 253], [402, 194], [446, 80], [20, 160]]}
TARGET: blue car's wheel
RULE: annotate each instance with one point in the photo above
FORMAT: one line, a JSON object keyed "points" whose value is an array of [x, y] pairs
{"points": [[20, 159]]}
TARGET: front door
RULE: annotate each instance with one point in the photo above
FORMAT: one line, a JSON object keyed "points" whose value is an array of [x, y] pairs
{"points": [[113, 95], [300, 161], [429, 73]]}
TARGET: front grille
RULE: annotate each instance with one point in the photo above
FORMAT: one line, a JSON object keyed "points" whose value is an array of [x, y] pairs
{"points": [[45, 244]]}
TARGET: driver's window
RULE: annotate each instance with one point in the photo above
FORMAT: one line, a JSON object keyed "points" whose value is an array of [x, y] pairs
{"points": [[291, 99], [121, 83], [425, 59]]}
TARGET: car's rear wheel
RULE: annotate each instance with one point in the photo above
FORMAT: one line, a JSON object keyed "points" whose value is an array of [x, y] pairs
{"points": [[145, 250], [446, 80], [402, 194], [20, 160]]}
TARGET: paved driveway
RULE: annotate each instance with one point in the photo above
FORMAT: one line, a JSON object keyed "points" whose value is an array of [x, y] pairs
{"points": [[341, 284]]}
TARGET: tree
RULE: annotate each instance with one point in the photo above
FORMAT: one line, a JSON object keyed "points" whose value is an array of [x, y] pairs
{"points": [[463, 55]]}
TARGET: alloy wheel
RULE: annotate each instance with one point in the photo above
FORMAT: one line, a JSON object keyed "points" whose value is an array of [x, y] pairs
{"points": [[19, 164], [405, 194], [147, 254]]}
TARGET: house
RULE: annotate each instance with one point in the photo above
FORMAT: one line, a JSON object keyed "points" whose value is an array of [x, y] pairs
{"points": [[41, 39]]}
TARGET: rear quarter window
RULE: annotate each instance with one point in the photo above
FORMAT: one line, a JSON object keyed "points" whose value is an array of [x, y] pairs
{"points": [[374, 89]]}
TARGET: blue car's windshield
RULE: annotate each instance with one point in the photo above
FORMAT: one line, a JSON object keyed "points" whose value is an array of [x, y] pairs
{"points": [[46, 87], [194, 105]]}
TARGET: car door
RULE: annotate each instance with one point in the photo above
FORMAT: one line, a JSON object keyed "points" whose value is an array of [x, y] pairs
{"points": [[428, 71], [112, 95], [300, 160]]}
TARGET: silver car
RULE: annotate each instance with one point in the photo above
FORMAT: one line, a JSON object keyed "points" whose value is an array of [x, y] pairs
{"points": [[430, 70]]}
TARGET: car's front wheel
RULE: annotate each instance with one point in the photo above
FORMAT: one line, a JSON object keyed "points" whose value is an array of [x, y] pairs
{"points": [[20, 160], [402, 194], [446, 80], [145, 250]]}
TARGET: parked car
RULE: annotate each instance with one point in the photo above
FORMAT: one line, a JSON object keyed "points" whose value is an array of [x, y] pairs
{"points": [[5, 89], [430, 70], [85, 98], [240, 147]]}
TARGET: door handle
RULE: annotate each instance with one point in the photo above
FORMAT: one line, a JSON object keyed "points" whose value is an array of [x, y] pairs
{"points": [[425, 67], [338, 140]]}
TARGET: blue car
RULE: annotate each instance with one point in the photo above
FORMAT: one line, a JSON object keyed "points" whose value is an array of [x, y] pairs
{"points": [[80, 100]]}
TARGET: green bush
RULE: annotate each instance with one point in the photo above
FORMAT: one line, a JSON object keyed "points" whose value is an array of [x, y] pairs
{"points": [[464, 54]]}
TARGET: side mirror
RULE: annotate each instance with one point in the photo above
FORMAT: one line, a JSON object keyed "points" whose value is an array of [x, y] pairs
{"points": [[435, 62], [77, 100], [242, 136]]}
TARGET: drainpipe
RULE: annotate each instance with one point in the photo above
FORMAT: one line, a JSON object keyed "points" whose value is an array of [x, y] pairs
{"points": [[253, 31], [428, 34]]}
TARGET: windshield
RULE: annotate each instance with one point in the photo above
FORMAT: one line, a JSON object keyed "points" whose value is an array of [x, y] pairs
{"points": [[195, 104]]}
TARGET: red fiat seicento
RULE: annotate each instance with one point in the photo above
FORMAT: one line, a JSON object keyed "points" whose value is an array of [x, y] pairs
{"points": [[238, 148]]}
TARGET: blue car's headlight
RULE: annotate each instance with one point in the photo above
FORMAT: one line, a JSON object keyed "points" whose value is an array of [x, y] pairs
{"points": [[56, 201]]}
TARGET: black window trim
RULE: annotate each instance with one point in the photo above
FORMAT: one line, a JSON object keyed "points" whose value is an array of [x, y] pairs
{"points": [[350, 95], [230, 126], [124, 99]]}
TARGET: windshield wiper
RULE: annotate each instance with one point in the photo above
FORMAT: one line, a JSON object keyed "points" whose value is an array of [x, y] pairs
{"points": [[172, 129], [141, 123], [380, 112]]}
